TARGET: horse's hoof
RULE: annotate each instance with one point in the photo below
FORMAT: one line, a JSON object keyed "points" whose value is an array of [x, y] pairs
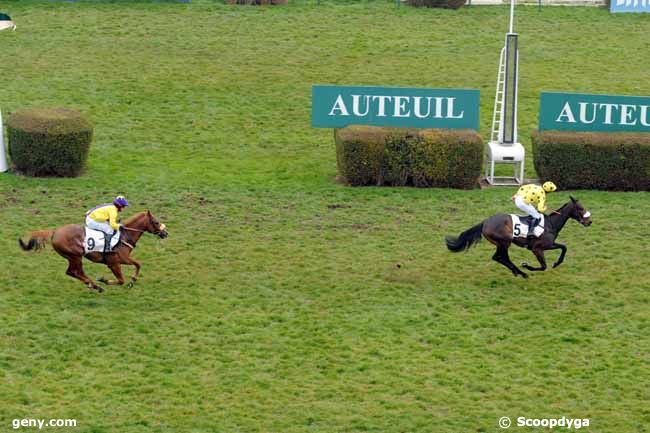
{"points": [[102, 280], [130, 285], [99, 289], [555, 265], [524, 275]]}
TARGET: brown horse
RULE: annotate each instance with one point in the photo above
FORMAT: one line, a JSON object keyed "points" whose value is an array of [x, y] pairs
{"points": [[498, 230], [68, 241]]}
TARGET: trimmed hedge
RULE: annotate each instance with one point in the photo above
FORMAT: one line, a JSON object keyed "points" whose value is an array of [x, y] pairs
{"points": [[593, 160], [369, 155], [445, 4], [49, 141]]}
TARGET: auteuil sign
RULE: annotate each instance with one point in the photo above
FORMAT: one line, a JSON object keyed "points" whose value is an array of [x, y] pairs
{"points": [[337, 106], [580, 112]]}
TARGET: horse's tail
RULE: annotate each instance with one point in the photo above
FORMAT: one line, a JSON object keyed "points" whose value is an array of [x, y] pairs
{"points": [[37, 240], [465, 240]]}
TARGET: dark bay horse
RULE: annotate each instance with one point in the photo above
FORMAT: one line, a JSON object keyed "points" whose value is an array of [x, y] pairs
{"points": [[498, 230], [68, 241]]}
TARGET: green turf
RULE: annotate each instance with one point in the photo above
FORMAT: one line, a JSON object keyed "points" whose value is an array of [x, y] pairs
{"points": [[283, 301]]}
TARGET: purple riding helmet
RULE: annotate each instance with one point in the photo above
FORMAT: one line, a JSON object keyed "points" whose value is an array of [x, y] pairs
{"points": [[120, 201]]}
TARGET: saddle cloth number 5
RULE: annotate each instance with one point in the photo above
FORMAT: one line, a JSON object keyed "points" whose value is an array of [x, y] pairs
{"points": [[520, 228]]}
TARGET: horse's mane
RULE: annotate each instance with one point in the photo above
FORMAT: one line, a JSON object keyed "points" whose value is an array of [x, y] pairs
{"points": [[562, 207], [572, 201], [558, 212], [134, 218]]}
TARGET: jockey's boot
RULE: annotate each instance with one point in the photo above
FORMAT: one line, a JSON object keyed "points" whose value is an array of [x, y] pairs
{"points": [[107, 242], [531, 227]]}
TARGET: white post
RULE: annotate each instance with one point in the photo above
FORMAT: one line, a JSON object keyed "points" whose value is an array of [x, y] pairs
{"points": [[3, 159], [512, 15], [5, 23]]}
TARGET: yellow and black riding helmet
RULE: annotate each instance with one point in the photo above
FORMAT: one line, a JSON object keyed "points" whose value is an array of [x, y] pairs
{"points": [[549, 187]]}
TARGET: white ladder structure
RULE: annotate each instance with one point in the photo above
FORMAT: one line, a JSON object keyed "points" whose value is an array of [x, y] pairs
{"points": [[498, 99], [503, 147]]}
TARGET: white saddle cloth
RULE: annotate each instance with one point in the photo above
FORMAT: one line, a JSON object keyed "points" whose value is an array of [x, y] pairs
{"points": [[94, 241], [520, 228]]}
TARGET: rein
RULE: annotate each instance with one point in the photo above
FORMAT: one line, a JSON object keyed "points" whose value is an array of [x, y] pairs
{"points": [[133, 230], [127, 244]]}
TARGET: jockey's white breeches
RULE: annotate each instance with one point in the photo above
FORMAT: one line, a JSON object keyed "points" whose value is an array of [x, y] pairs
{"points": [[102, 227], [527, 207]]}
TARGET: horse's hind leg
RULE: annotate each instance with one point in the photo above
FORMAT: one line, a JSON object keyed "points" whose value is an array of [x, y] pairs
{"points": [[501, 256], [515, 270], [75, 270], [497, 257]]}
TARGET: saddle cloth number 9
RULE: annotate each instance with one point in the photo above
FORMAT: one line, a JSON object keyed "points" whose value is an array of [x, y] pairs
{"points": [[95, 240]]}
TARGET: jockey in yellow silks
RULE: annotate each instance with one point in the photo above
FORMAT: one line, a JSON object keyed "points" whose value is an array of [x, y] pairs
{"points": [[531, 199], [104, 218]]}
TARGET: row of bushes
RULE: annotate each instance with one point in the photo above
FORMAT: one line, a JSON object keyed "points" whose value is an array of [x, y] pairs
{"points": [[453, 158], [368, 155], [589, 160], [445, 4], [55, 142]]}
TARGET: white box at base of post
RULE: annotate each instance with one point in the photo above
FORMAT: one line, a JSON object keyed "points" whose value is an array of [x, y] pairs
{"points": [[513, 154]]}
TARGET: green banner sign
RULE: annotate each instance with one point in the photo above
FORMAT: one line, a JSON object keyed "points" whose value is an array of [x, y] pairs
{"points": [[607, 113], [336, 106]]}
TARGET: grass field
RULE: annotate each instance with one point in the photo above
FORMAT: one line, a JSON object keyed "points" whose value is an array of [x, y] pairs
{"points": [[277, 303]]}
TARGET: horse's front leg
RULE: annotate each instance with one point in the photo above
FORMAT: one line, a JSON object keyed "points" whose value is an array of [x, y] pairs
{"points": [[539, 253], [560, 259], [130, 261], [117, 271]]}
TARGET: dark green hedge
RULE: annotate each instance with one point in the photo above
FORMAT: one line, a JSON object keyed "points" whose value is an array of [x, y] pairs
{"points": [[256, 2], [49, 141], [590, 160], [446, 4], [368, 155]]}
